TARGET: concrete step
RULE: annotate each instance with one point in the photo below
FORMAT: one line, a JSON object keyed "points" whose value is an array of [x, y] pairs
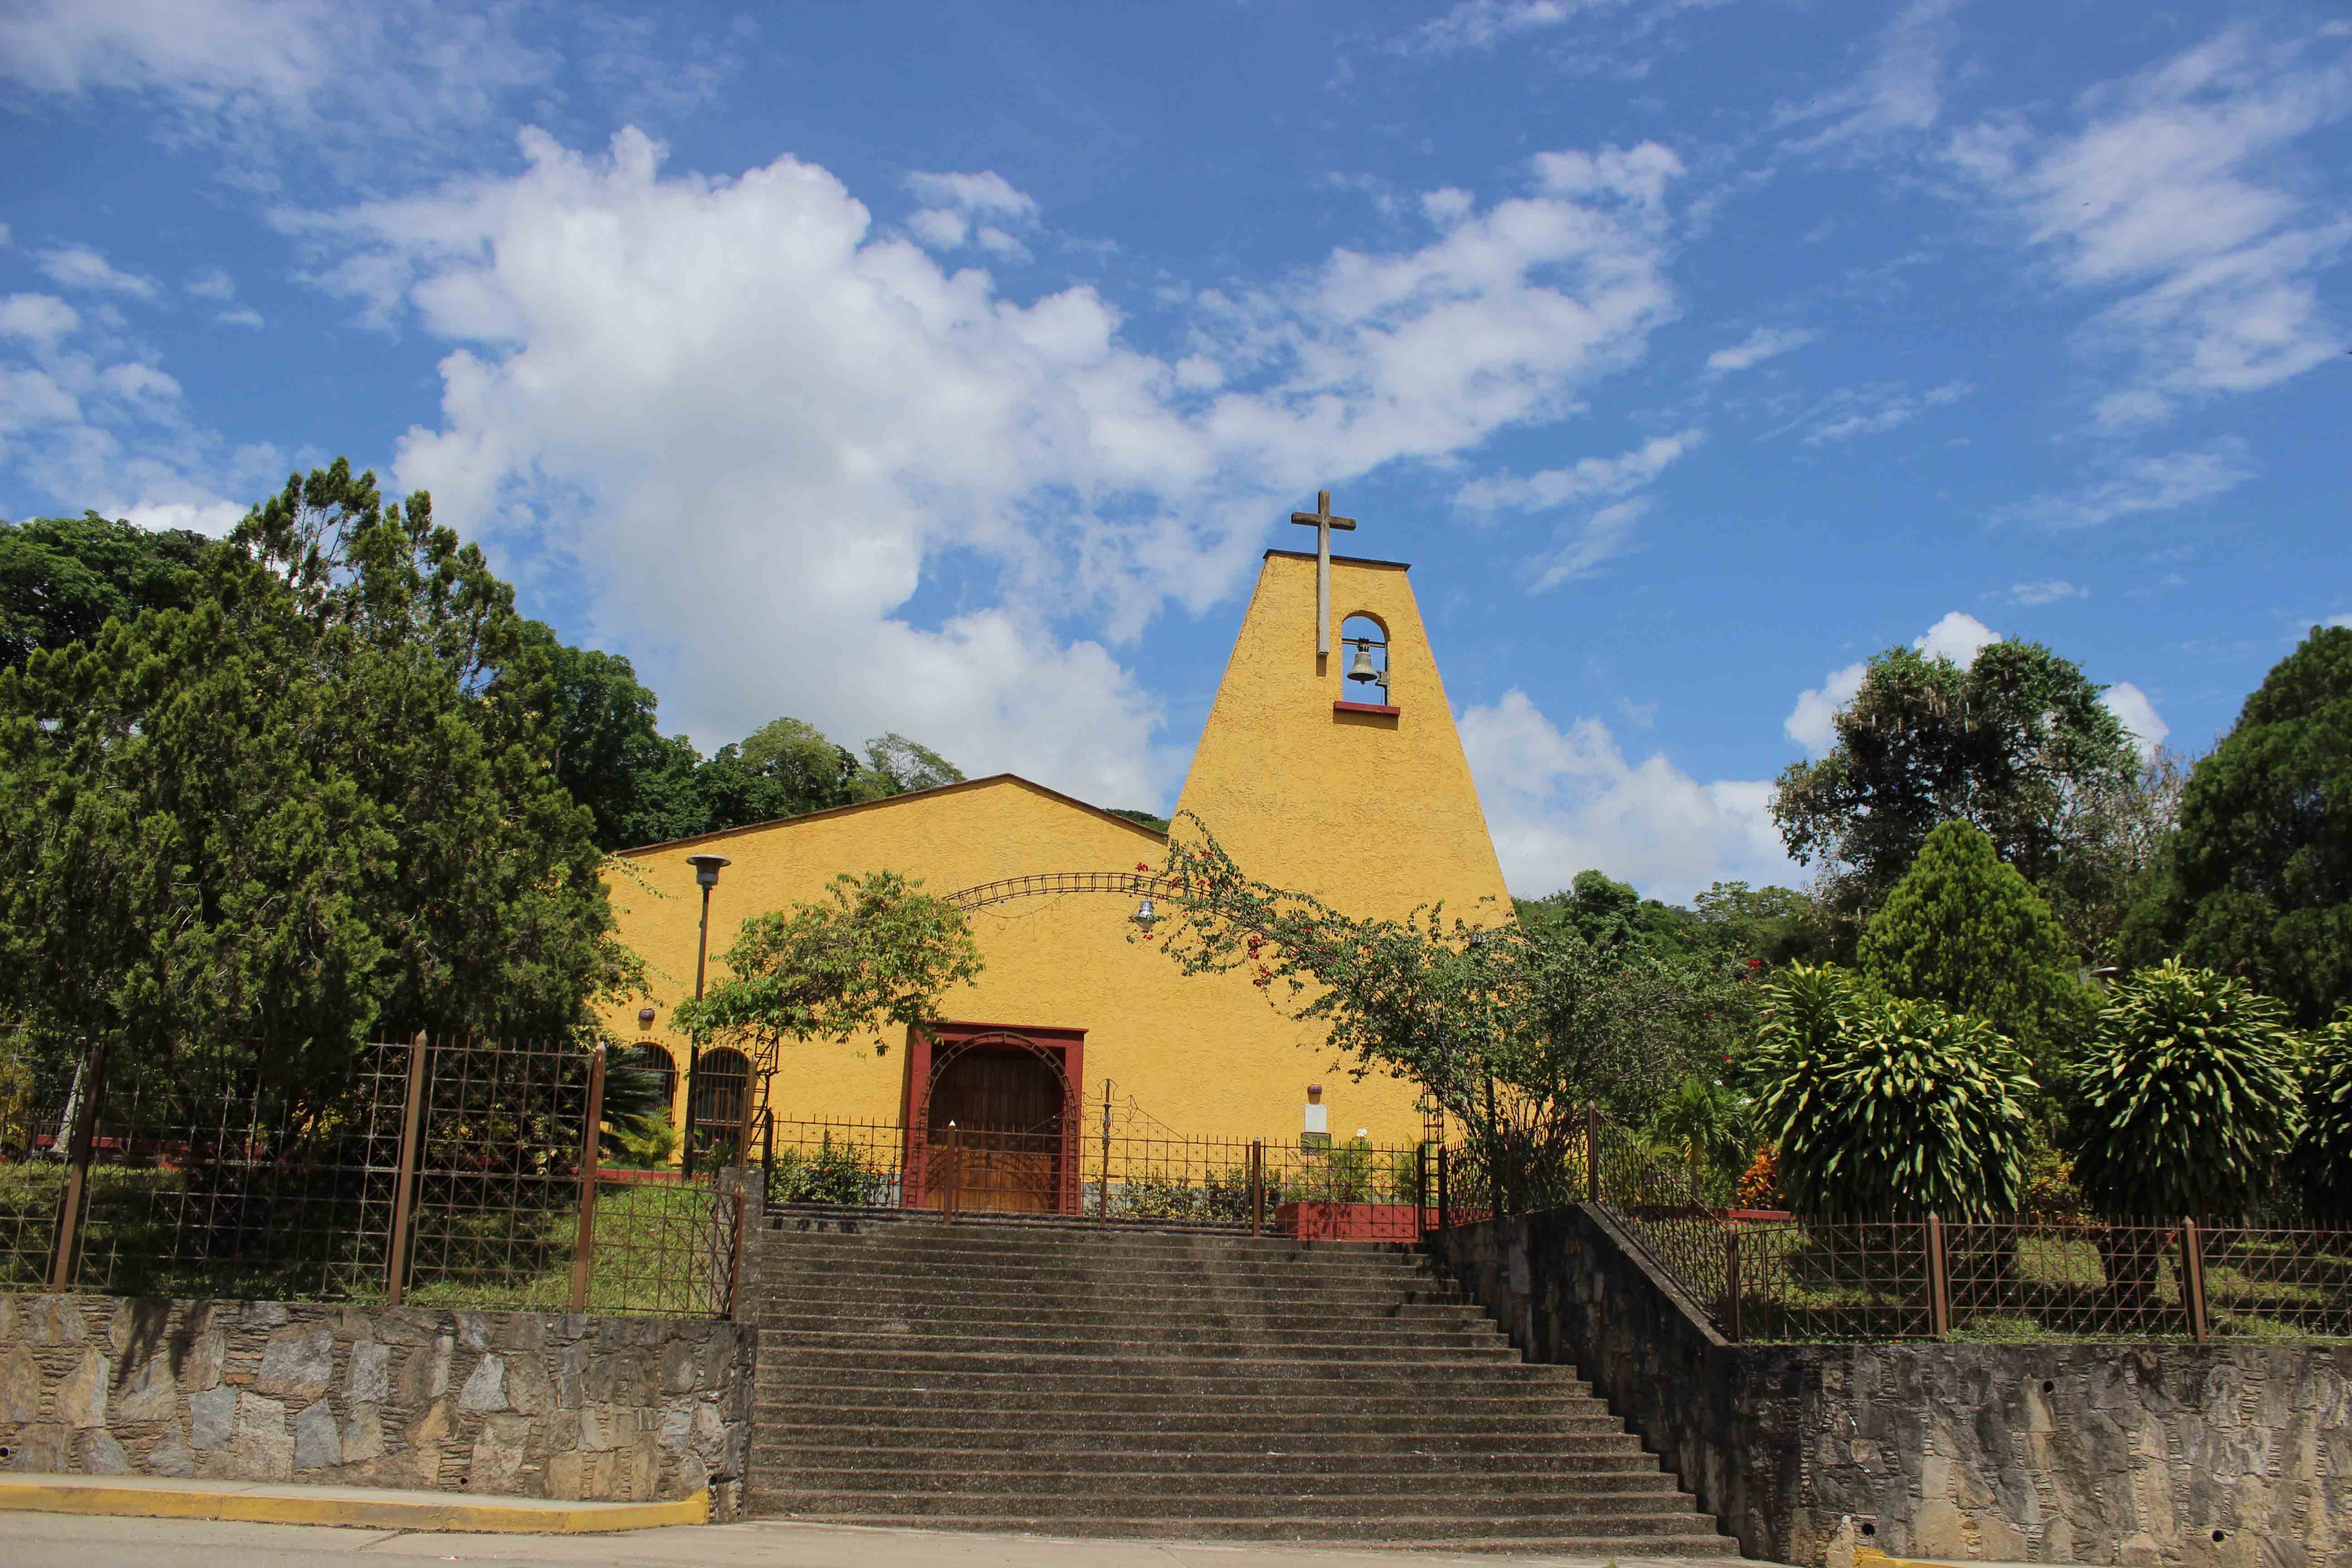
{"points": [[1681, 1535], [1193, 1488], [863, 1413], [1140, 1393], [798, 1296], [1215, 1456], [1175, 1280], [1178, 1344], [1087, 1367], [903, 1445], [1067, 1240], [869, 1316]]}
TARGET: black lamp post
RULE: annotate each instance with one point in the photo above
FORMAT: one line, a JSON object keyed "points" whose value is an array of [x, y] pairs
{"points": [[705, 873]]}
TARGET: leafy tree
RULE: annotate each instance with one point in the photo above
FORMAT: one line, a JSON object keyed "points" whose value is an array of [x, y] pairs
{"points": [[2187, 1098], [1964, 930], [1775, 926], [874, 952], [1882, 1106], [1612, 916], [1511, 1026], [62, 578], [2017, 743], [1144, 818], [317, 802], [2323, 1154], [904, 766], [2259, 881], [1707, 1129], [638, 785], [787, 767]]}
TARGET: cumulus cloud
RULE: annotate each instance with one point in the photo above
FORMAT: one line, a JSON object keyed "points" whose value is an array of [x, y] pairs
{"points": [[2178, 202], [1561, 801], [211, 518], [79, 266], [212, 283], [742, 395], [1763, 344], [38, 319], [2132, 709], [1580, 545], [986, 191], [2164, 483], [1811, 723]]}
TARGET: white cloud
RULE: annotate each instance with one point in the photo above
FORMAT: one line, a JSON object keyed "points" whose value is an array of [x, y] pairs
{"points": [[2165, 483], [744, 397], [79, 266], [2338, 621], [242, 316], [987, 191], [1958, 638], [2131, 707], [38, 319], [2047, 591], [212, 519], [1850, 412], [1561, 802], [1811, 723], [212, 283], [1478, 23], [1902, 89], [1587, 477], [1763, 344], [261, 79], [1584, 547], [2178, 202]]}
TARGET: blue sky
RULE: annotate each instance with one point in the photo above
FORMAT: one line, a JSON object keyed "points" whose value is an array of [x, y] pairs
{"points": [[944, 369]]}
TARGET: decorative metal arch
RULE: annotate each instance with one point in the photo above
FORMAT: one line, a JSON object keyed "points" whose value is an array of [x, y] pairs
{"points": [[1043, 884]]}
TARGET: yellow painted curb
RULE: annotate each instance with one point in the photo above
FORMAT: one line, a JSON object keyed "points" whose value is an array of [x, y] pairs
{"points": [[1872, 1557], [391, 1511]]}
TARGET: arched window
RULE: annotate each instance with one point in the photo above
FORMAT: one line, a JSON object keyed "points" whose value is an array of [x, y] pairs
{"points": [[1364, 657], [647, 1057], [721, 1078]]}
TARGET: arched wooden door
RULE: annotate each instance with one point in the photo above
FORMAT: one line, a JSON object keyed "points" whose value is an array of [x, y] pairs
{"points": [[995, 1127]]}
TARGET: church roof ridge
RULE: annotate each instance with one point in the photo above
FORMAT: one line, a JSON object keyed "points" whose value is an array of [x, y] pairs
{"points": [[1336, 560], [886, 800]]}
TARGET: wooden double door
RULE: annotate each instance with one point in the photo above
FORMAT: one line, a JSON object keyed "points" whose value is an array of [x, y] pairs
{"points": [[995, 1134]]}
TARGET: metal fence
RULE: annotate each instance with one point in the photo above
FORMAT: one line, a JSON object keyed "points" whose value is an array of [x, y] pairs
{"points": [[1771, 1276], [1351, 1189], [441, 1173]]}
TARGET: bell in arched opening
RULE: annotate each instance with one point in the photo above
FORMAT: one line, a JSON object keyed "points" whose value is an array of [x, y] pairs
{"points": [[1365, 642]]}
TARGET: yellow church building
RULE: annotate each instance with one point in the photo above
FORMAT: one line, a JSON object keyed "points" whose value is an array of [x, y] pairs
{"points": [[1355, 790]]}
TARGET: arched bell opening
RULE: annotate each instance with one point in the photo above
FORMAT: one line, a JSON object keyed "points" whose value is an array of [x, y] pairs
{"points": [[1364, 657]]}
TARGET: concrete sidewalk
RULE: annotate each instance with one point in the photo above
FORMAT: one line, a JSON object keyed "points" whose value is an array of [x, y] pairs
{"points": [[69, 1540]]}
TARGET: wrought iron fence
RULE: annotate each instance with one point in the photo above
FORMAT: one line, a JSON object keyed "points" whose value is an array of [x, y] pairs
{"points": [[1769, 1275], [1111, 1174], [439, 1172]]}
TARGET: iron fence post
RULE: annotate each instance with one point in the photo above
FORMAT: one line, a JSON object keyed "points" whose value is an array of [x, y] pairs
{"points": [[2192, 1255], [955, 1168], [1731, 1327], [735, 1254], [583, 1249], [404, 1193], [1102, 1188], [1591, 1151], [85, 1129], [767, 1157], [1939, 1287], [1445, 1211], [1257, 1186], [1420, 1191]]}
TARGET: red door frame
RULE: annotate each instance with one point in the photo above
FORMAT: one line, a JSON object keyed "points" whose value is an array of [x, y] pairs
{"points": [[1067, 1047]]}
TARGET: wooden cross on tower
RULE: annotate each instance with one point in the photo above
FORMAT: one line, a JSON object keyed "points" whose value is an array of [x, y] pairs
{"points": [[1323, 522]]}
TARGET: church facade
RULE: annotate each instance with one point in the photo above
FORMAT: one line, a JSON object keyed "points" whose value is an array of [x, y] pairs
{"points": [[1354, 790]]}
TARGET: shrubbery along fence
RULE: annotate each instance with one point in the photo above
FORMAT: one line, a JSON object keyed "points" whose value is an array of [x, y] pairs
{"points": [[444, 1172]]}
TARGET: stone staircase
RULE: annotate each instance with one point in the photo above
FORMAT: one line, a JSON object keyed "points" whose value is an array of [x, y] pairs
{"points": [[1072, 1380]]}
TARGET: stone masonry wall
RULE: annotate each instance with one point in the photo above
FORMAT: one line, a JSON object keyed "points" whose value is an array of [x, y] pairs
{"points": [[2146, 1452], [513, 1404]]}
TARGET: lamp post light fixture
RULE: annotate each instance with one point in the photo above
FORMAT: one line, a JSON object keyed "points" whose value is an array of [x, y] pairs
{"points": [[705, 874]]}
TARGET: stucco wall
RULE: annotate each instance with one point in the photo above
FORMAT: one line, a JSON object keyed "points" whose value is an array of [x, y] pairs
{"points": [[515, 1403], [2112, 1453], [1378, 816]]}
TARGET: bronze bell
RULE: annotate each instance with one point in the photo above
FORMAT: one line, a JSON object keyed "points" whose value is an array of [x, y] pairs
{"points": [[1364, 669]]}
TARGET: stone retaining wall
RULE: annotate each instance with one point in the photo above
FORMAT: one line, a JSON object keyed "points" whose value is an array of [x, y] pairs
{"points": [[2143, 1452], [511, 1404]]}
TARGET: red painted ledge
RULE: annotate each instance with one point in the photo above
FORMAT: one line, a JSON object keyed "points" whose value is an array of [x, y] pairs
{"points": [[1383, 709]]}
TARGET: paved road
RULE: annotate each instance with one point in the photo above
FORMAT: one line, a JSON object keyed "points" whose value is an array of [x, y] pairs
{"points": [[68, 1541]]}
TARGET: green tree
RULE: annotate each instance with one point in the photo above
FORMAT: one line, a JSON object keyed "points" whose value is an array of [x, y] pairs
{"points": [[2323, 1154], [62, 578], [1962, 930], [316, 802], [1612, 916], [2259, 880], [1882, 1107], [637, 784], [2017, 743], [1774, 926], [876, 951], [1511, 1026], [2187, 1099]]}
